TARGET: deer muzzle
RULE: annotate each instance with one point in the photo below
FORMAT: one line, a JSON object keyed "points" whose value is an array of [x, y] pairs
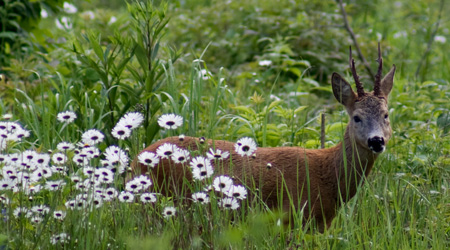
{"points": [[376, 144]]}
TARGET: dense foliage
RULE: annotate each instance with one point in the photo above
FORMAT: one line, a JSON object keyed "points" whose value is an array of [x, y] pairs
{"points": [[231, 69]]}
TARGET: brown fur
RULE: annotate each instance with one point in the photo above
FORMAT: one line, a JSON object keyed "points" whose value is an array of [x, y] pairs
{"points": [[317, 181]]}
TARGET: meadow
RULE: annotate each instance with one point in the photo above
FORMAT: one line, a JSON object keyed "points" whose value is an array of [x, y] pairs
{"points": [[86, 85]]}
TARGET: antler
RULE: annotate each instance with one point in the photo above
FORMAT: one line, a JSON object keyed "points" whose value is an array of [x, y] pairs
{"points": [[359, 86], [376, 86]]}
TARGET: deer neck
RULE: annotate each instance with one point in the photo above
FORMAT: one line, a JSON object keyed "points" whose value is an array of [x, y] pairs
{"points": [[354, 163]]}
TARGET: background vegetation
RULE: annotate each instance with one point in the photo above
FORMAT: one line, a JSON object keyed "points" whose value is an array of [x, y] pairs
{"points": [[255, 68]]}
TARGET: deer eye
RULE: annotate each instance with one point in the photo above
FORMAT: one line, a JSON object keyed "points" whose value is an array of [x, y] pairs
{"points": [[356, 118]]}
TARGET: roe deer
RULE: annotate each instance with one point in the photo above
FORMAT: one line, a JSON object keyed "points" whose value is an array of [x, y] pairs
{"points": [[316, 180]]}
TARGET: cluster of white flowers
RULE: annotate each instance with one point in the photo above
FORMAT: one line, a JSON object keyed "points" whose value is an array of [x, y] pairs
{"points": [[11, 132], [91, 173], [202, 169], [30, 172], [138, 186], [126, 124]]}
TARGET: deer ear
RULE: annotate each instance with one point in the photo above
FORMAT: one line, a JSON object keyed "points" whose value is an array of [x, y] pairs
{"points": [[342, 90], [387, 82]]}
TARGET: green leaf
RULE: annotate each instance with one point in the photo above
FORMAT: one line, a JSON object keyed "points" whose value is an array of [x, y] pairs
{"points": [[95, 43], [299, 109], [295, 71], [244, 109], [274, 104]]}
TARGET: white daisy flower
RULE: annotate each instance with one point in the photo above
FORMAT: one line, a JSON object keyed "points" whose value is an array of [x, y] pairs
{"points": [[7, 116], [217, 154], [81, 160], [148, 198], [54, 185], [245, 146], [166, 150], [237, 192], [8, 171], [110, 193], [117, 158], [64, 146], [170, 121], [204, 74], [3, 158], [37, 175], [200, 162], [104, 175], [13, 159], [59, 158], [97, 201], [92, 137], [112, 20], [82, 186], [7, 184], [59, 238], [69, 8], [90, 152], [169, 212], [66, 117], [19, 134], [148, 158], [121, 132], [88, 15], [91, 183], [80, 204], [208, 188], [88, 171], [202, 173], [144, 181], [222, 183], [180, 156], [229, 203], [59, 170], [125, 196], [59, 214], [133, 186], [46, 172], [20, 211], [42, 160], [23, 177], [200, 197], [29, 155], [36, 219], [27, 166], [40, 209], [265, 63], [131, 120], [76, 178], [70, 204]]}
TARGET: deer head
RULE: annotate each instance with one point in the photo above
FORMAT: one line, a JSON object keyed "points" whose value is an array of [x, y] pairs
{"points": [[369, 119]]}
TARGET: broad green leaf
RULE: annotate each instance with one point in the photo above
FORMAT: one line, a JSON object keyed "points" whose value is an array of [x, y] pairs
{"points": [[244, 109]]}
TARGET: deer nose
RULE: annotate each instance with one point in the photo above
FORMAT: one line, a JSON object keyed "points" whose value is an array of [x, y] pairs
{"points": [[376, 144]]}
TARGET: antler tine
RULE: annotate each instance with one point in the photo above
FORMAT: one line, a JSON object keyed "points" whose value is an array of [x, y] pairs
{"points": [[376, 86], [359, 86]]}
